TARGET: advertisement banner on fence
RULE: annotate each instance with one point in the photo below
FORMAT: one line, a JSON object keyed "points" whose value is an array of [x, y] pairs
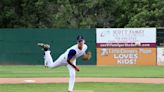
{"points": [[126, 56], [160, 56], [126, 46]]}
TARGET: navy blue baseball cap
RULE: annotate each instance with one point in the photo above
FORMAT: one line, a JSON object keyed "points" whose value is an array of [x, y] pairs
{"points": [[80, 38]]}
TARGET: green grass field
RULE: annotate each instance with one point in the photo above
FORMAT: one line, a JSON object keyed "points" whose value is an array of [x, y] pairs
{"points": [[86, 71], [96, 87]]}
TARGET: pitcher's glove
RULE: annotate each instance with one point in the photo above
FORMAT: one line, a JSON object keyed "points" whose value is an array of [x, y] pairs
{"points": [[87, 56]]}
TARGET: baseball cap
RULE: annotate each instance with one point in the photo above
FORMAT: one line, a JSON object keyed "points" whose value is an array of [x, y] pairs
{"points": [[80, 38]]}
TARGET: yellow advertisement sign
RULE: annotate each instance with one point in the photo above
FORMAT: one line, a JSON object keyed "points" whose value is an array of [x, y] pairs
{"points": [[126, 56]]}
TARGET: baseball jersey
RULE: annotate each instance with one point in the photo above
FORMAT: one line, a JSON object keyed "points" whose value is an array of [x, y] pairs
{"points": [[74, 52]]}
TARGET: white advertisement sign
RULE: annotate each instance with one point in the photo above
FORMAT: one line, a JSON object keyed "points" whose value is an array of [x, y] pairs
{"points": [[160, 56], [126, 37]]}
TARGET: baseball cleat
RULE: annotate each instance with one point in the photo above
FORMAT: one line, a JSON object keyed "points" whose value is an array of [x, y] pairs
{"points": [[44, 46], [45, 66]]}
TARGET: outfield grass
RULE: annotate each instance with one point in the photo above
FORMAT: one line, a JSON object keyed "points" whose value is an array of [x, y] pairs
{"points": [[96, 87], [86, 71]]}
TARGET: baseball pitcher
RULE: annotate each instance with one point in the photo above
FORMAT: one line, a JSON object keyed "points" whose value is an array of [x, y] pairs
{"points": [[68, 58]]}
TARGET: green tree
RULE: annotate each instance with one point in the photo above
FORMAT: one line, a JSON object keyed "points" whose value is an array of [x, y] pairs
{"points": [[24, 13], [81, 13], [150, 16]]}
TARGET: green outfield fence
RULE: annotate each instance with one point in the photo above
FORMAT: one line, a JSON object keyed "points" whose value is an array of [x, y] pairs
{"points": [[19, 46], [160, 36]]}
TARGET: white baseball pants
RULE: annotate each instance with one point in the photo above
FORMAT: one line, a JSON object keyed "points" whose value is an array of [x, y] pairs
{"points": [[61, 61]]}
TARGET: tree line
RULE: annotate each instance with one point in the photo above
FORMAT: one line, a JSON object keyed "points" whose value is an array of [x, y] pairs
{"points": [[81, 13]]}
